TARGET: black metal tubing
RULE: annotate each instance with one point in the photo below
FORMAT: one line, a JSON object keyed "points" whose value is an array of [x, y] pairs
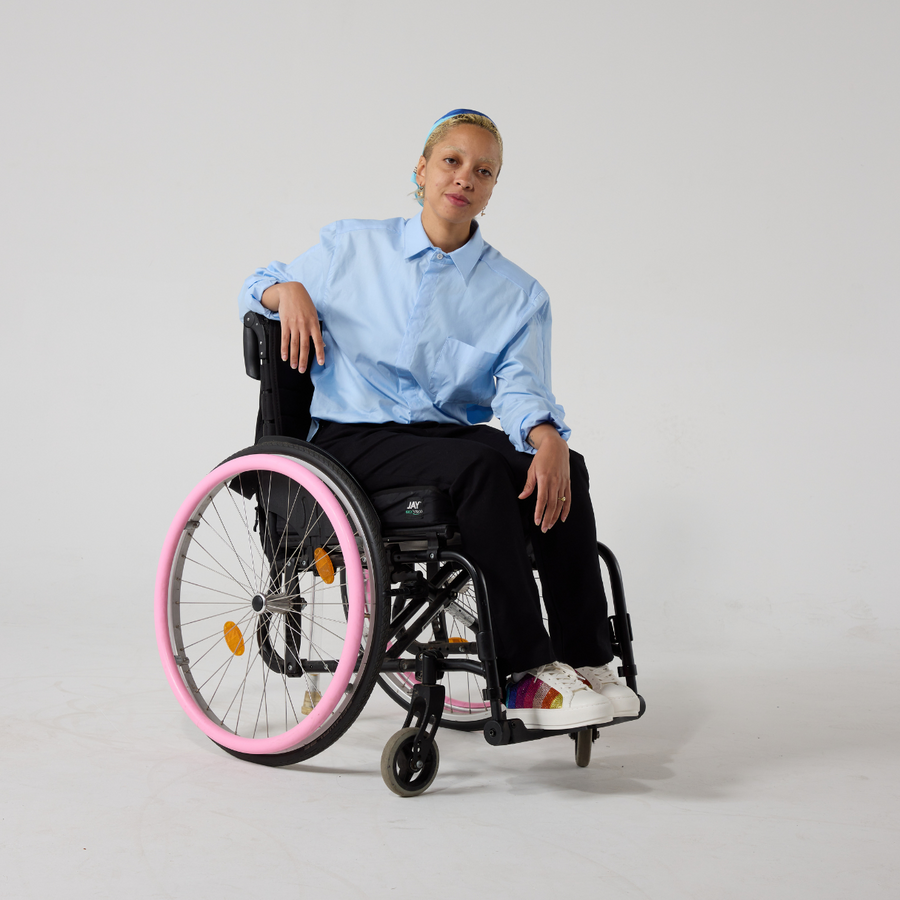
{"points": [[620, 618], [396, 627], [403, 639], [485, 636], [328, 666]]}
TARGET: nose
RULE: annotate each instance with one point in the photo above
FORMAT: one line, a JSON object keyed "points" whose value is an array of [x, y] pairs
{"points": [[465, 179]]}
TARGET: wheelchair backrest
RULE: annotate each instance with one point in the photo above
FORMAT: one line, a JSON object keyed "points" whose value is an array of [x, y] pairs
{"points": [[285, 394]]}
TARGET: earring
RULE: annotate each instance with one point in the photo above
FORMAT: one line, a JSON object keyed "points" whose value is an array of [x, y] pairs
{"points": [[420, 188], [485, 207]]}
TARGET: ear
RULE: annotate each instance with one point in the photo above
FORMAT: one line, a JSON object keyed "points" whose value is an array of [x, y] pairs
{"points": [[420, 168]]}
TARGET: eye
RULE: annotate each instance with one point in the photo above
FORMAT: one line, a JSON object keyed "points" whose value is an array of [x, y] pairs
{"points": [[486, 172], [450, 159]]}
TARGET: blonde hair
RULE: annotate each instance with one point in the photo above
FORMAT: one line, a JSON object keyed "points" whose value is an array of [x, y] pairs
{"points": [[444, 128]]}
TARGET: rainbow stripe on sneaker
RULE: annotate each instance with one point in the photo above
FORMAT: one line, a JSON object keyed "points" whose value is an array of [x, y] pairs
{"points": [[532, 693]]}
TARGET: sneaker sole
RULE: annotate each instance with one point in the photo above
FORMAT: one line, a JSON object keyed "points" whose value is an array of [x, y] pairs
{"points": [[556, 719]]}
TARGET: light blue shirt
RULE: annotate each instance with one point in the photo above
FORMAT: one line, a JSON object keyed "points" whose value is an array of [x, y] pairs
{"points": [[413, 334]]}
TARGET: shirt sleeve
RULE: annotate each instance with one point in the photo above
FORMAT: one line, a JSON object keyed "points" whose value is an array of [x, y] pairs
{"points": [[524, 397], [310, 269]]}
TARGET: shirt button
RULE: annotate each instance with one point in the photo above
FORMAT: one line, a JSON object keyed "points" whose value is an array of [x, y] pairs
{"points": [[438, 255]]}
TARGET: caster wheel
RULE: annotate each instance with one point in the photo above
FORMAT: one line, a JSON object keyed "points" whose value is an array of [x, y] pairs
{"points": [[584, 740], [396, 771]]}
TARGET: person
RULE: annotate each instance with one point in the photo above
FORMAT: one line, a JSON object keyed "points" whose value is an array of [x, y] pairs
{"points": [[427, 333]]}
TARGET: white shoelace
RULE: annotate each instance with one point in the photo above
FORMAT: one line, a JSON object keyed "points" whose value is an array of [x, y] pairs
{"points": [[604, 674], [562, 674]]}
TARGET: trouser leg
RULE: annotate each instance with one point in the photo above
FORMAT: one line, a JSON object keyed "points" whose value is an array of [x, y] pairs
{"points": [[567, 562]]}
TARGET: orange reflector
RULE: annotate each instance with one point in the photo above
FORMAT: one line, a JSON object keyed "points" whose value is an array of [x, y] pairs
{"points": [[234, 639], [457, 640], [324, 565]]}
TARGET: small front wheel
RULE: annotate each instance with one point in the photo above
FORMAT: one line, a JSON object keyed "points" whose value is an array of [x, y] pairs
{"points": [[396, 765], [583, 742]]}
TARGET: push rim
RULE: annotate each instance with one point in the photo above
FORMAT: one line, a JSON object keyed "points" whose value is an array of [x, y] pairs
{"points": [[248, 579]]}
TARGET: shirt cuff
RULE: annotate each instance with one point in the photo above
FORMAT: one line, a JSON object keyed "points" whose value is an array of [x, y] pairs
{"points": [[254, 297], [540, 418]]}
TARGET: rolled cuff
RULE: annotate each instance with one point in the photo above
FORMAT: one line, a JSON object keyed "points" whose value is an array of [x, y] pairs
{"points": [[529, 422], [251, 294]]}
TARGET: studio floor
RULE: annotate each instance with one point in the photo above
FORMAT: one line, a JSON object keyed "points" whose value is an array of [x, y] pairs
{"points": [[742, 781]]}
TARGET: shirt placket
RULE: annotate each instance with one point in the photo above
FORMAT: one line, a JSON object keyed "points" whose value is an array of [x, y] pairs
{"points": [[410, 390]]}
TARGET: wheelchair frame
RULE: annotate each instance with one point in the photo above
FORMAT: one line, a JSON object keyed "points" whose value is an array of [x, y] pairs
{"points": [[381, 640]]}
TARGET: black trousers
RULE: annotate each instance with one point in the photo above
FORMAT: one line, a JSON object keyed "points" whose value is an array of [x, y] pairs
{"points": [[484, 474]]}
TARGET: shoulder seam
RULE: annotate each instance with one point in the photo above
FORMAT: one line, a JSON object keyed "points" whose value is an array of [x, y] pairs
{"points": [[530, 288]]}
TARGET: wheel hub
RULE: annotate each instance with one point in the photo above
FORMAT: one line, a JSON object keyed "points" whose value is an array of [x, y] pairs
{"points": [[277, 603]]}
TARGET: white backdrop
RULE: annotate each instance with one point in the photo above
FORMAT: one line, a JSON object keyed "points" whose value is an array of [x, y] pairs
{"points": [[708, 191]]}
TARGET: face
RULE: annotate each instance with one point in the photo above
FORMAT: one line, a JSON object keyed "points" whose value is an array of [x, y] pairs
{"points": [[460, 175]]}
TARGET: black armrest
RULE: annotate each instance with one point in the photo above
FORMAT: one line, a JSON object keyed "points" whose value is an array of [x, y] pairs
{"points": [[285, 394], [254, 344]]}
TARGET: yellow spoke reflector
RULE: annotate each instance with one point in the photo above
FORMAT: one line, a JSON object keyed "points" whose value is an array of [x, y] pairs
{"points": [[457, 640], [234, 639], [324, 565]]}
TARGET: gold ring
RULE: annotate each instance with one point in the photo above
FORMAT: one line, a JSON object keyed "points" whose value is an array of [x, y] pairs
{"points": [[562, 499]]}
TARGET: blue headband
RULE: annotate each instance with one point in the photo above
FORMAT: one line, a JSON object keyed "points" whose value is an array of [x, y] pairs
{"points": [[440, 121]]}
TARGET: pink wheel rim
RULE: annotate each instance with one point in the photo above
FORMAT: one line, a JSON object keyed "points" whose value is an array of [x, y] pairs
{"points": [[356, 590]]}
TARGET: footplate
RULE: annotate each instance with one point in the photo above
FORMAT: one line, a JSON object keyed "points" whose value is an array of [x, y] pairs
{"points": [[512, 731]]}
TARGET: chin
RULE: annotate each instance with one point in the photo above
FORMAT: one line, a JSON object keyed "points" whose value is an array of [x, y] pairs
{"points": [[459, 214]]}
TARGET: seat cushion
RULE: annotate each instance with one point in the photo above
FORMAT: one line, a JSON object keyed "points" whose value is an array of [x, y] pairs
{"points": [[418, 506]]}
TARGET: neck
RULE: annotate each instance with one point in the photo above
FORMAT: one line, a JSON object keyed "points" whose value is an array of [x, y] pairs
{"points": [[448, 236]]}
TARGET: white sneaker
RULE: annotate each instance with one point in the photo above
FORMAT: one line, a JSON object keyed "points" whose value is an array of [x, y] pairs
{"points": [[604, 682], [554, 697]]}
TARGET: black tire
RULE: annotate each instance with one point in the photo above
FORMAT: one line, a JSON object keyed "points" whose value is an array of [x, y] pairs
{"points": [[584, 741]]}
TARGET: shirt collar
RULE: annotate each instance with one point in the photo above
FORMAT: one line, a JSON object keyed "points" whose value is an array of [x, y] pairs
{"points": [[415, 241]]}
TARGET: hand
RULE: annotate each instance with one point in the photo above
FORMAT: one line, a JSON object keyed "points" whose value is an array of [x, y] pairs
{"points": [[299, 322], [549, 473]]}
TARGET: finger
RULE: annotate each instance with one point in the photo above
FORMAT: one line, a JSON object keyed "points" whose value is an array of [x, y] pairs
{"points": [[558, 499], [319, 341], [528, 490], [295, 347], [285, 340], [554, 506], [302, 348], [540, 507], [567, 506]]}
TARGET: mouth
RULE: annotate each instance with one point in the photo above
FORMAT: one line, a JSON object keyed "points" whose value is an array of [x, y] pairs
{"points": [[457, 199]]}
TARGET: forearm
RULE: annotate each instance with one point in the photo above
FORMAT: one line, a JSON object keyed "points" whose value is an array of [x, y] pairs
{"points": [[288, 291]]}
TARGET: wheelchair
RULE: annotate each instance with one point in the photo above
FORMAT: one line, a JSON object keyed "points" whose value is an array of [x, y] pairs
{"points": [[284, 594]]}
